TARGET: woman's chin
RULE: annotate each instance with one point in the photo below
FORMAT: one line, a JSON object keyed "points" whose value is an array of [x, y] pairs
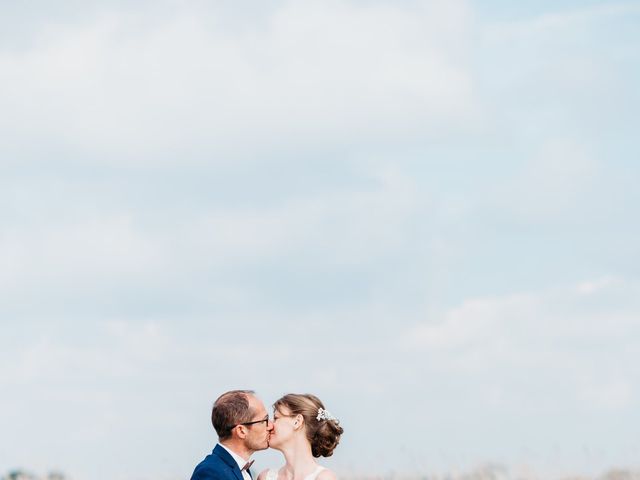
{"points": [[274, 445]]}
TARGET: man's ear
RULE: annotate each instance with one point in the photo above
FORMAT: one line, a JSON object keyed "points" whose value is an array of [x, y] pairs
{"points": [[240, 431]]}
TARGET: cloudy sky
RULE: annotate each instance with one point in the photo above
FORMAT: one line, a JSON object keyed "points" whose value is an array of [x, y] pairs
{"points": [[425, 212]]}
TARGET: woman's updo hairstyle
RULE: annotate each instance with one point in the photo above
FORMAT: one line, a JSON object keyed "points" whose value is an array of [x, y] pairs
{"points": [[323, 434]]}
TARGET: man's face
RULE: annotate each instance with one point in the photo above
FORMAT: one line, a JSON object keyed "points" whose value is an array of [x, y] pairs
{"points": [[258, 433]]}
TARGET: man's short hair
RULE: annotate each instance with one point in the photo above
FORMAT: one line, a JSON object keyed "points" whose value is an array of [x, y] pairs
{"points": [[230, 409]]}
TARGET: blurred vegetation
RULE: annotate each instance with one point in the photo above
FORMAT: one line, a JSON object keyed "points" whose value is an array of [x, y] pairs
{"points": [[495, 472], [19, 474], [483, 472]]}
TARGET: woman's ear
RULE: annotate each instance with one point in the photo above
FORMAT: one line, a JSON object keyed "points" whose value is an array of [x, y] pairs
{"points": [[299, 421]]}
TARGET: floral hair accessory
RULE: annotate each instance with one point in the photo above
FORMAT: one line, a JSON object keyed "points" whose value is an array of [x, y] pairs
{"points": [[325, 415]]}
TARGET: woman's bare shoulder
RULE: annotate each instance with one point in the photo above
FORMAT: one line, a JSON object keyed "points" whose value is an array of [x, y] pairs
{"points": [[326, 474], [263, 474]]}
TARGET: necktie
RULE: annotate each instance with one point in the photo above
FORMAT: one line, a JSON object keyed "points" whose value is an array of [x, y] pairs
{"points": [[247, 466]]}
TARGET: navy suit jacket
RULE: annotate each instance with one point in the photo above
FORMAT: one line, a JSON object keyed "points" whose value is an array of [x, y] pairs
{"points": [[218, 466]]}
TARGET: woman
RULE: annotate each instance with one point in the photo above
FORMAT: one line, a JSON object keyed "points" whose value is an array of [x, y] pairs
{"points": [[303, 431]]}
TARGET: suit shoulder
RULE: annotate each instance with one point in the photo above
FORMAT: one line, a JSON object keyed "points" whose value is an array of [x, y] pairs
{"points": [[212, 468]]}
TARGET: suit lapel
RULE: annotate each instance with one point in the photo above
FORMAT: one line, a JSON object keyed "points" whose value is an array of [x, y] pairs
{"points": [[228, 459]]}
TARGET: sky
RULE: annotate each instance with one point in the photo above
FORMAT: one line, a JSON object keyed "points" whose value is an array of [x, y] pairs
{"points": [[424, 212]]}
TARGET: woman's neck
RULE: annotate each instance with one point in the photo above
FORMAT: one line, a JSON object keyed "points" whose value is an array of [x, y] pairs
{"points": [[299, 461]]}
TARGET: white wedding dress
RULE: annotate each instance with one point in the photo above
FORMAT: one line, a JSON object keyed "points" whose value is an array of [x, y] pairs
{"points": [[273, 474]]}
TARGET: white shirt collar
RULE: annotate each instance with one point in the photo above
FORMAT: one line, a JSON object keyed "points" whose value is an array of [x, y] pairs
{"points": [[239, 460]]}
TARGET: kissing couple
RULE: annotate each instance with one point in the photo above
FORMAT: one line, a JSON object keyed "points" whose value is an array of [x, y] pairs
{"points": [[301, 429]]}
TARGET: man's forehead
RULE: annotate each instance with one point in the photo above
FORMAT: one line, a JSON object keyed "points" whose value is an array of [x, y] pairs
{"points": [[256, 403]]}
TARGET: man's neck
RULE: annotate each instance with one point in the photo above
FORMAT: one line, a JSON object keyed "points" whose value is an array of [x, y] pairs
{"points": [[237, 448]]}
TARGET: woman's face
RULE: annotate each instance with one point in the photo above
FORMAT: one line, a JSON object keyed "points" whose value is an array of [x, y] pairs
{"points": [[283, 427]]}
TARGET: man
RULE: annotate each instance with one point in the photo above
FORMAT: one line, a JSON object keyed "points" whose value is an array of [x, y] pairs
{"points": [[243, 426]]}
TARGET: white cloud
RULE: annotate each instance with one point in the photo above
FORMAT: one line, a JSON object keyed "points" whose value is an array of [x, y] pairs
{"points": [[583, 338], [476, 321], [591, 287], [609, 394], [76, 254], [124, 350], [126, 89], [560, 20], [556, 179], [552, 180], [340, 228]]}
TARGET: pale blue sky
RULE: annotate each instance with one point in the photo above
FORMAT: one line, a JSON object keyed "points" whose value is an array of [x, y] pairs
{"points": [[423, 212]]}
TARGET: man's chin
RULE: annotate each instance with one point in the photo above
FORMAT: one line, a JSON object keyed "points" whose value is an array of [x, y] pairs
{"points": [[254, 447]]}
